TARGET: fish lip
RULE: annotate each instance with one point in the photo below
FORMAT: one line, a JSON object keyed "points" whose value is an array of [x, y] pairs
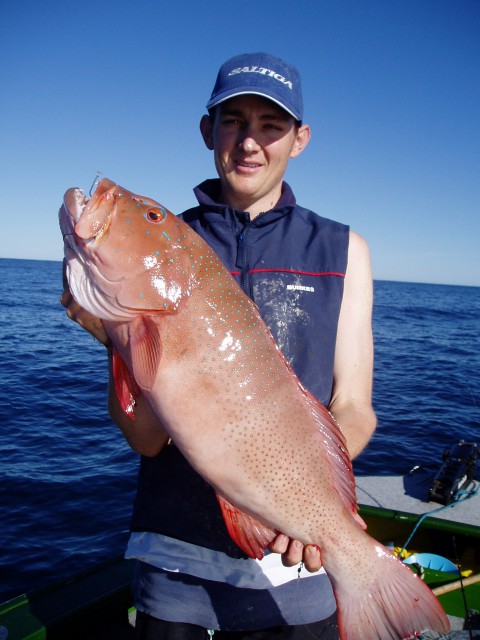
{"points": [[89, 222], [75, 201], [69, 214]]}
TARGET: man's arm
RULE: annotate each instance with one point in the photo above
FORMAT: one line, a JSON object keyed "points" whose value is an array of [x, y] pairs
{"points": [[351, 403]]}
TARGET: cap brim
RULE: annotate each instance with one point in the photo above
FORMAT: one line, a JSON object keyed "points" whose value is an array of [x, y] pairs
{"points": [[245, 92]]}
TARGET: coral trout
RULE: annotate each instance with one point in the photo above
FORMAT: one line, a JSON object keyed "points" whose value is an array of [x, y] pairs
{"points": [[187, 338]]}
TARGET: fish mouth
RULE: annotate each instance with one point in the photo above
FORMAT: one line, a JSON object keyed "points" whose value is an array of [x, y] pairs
{"points": [[91, 217]]}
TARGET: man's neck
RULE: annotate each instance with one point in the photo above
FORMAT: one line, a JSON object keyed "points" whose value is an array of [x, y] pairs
{"points": [[251, 206]]}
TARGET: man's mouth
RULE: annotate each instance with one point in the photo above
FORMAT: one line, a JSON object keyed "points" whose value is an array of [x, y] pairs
{"points": [[248, 165]]}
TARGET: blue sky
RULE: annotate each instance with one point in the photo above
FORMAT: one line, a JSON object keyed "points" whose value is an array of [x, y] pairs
{"points": [[391, 90]]}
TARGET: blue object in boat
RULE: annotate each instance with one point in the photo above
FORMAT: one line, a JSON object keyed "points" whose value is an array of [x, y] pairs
{"points": [[432, 561]]}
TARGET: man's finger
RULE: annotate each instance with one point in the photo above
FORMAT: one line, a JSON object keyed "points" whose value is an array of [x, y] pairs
{"points": [[293, 554], [312, 558], [280, 544]]}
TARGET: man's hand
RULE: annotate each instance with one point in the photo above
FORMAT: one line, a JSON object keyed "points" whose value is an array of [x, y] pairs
{"points": [[294, 552]]}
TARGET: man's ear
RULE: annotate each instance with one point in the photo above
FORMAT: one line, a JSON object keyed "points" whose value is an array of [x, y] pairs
{"points": [[301, 140], [206, 128]]}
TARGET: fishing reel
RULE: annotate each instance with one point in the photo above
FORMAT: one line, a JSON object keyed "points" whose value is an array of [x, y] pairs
{"points": [[456, 473]]}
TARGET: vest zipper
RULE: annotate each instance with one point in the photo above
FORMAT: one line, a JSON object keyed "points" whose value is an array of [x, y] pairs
{"points": [[242, 253], [242, 258], [242, 262]]}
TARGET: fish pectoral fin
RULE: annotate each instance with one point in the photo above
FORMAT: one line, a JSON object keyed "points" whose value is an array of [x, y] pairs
{"points": [[126, 388], [146, 350], [250, 535]]}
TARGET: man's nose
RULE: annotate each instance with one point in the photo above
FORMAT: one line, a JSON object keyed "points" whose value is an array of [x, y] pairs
{"points": [[248, 140]]}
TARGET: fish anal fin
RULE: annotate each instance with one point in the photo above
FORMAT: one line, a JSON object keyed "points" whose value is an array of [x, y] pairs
{"points": [[395, 604], [126, 388], [146, 350], [249, 534]]}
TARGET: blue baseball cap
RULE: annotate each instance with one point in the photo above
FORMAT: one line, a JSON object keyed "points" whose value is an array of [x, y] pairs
{"points": [[260, 74]]}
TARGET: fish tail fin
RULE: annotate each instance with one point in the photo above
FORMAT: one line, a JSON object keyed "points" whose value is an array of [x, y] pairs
{"points": [[394, 604], [126, 389], [250, 535]]}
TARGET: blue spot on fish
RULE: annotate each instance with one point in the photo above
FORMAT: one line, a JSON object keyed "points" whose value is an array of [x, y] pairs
{"points": [[166, 235]]}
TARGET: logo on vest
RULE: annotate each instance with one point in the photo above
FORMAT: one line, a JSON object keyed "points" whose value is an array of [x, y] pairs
{"points": [[300, 287], [264, 72]]}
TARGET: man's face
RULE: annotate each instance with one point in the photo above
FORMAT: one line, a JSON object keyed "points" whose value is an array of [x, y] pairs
{"points": [[253, 140]]}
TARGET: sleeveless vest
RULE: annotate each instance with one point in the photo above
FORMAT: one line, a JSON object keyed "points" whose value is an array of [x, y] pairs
{"points": [[292, 263]]}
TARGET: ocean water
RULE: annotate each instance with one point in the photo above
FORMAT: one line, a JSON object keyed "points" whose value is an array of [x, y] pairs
{"points": [[67, 478]]}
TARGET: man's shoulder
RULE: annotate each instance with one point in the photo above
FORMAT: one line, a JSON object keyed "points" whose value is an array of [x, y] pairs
{"points": [[321, 221]]}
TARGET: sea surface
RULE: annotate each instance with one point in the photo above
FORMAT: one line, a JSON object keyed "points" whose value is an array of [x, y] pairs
{"points": [[67, 478]]}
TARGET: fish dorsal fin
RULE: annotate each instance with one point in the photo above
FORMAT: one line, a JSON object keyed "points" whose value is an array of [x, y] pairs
{"points": [[126, 388], [146, 350], [337, 456], [250, 535]]}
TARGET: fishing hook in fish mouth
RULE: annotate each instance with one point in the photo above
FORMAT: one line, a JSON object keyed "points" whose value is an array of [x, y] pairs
{"points": [[98, 174]]}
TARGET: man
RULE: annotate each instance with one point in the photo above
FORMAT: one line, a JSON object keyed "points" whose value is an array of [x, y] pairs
{"points": [[311, 280]]}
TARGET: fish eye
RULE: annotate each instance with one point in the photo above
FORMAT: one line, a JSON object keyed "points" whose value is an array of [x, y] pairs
{"points": [[155, 215]]}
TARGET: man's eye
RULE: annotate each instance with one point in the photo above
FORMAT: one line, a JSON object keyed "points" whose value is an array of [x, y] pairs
{"points": [[276, 125]]}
